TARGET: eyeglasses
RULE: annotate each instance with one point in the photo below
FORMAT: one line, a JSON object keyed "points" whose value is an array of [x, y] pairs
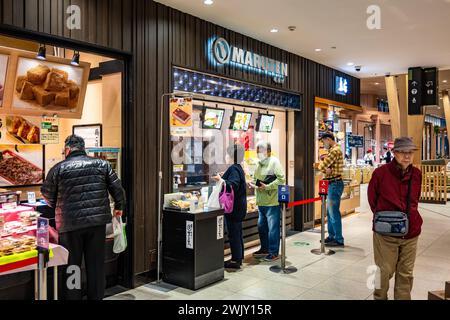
{"points": [[405, 153]]}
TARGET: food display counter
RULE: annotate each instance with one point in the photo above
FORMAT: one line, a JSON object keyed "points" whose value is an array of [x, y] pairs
{"points": [[353, 176]]}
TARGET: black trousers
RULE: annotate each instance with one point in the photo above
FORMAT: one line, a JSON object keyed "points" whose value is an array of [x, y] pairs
{"points": [[90, 243], [235, 236]]}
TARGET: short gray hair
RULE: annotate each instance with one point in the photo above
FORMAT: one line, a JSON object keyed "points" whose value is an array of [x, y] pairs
{"points": [[264, 145], [74, 142]]}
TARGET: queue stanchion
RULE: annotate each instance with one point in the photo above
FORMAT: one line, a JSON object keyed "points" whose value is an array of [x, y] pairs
{"points": [[42, 241], [323, 192], [283, 198]]}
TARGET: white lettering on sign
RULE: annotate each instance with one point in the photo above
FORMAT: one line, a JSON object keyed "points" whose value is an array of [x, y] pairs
{"points": [[224, 53]]}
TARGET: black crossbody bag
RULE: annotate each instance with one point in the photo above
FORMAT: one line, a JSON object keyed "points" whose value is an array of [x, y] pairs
{"points": [[394, 223]]}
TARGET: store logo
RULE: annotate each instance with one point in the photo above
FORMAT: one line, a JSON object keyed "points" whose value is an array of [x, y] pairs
{"points": [[341, 86], [221, 50], [224, 53]]}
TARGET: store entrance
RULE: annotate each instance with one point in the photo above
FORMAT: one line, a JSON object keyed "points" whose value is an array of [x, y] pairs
{"points": [[98, 98]]}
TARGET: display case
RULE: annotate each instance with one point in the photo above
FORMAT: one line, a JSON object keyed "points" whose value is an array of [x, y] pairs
{"points": [[113, 155], [353, 176]]}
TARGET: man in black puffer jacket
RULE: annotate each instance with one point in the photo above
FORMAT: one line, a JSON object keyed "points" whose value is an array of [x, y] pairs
{"points": [[78, 189]]}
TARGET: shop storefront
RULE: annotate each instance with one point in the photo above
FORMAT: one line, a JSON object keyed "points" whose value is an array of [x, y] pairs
{"points": [[434, 138], [340, 119], [153, 41], [48, 93]]}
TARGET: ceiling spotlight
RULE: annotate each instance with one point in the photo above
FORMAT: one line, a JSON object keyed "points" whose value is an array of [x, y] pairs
{"points": [[333, 47], [41, 53], [208, 2], [350, 64], [292, 28], [318, 50], [444, 81], [376, 83], [75, 59], [274, 30]]}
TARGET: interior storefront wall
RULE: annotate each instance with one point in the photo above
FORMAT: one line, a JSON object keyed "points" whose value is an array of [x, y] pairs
{"points": [[160, 37]]}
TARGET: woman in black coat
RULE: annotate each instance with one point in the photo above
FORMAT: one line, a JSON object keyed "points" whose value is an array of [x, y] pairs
{"points": [[235, 177]]}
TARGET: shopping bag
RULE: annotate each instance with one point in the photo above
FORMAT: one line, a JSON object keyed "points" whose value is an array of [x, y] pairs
{"points": [[213, 201], [120, 237], [226, 199]]}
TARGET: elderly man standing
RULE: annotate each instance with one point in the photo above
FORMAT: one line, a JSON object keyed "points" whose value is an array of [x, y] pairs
{"points": [[333, 166], [396, 186], [78, 188], [268, 176]]}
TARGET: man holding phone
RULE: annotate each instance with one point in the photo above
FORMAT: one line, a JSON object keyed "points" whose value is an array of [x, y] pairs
{"points": [[268, 176]]}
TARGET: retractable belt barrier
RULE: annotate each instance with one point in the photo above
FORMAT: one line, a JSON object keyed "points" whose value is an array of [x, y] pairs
{"points": [[323, 192]]}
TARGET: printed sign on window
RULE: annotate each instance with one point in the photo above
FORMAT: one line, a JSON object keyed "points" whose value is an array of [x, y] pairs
{"points": [[181, 117]]}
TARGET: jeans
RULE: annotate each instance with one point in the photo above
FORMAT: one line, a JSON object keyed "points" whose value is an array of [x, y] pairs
{"points": [[269, 229], [335, 190], [234, 229]]}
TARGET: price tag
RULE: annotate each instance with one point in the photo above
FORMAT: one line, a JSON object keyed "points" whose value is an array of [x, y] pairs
{"points": [[31, 197], [323, 187]]}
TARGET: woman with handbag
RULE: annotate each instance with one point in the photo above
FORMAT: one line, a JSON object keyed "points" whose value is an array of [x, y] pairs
{"points": [[394, 193], [234, 179]]}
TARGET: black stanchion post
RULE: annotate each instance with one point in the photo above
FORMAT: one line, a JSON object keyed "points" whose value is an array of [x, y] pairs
{"points": [[283, 198], [323, 192]]}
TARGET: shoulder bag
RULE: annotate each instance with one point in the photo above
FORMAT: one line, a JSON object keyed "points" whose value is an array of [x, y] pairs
{"points": [[394, 223]]}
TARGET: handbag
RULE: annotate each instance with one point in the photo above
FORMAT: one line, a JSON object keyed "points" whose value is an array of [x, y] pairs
{"points": [[226, 199], [394, 223]]}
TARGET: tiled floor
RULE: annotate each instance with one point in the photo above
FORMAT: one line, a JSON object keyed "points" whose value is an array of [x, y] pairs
{"points": [[342, 276]]}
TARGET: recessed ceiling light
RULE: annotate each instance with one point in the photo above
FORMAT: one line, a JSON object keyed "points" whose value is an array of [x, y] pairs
{"points": [[274, 30], [208, 2], [350, 63], [376, 83], [333, 47], [318, 50], [444, 81]]}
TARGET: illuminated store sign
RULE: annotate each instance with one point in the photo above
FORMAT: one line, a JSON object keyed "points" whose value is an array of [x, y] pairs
{"points": [[223, 53], [342, 86]]}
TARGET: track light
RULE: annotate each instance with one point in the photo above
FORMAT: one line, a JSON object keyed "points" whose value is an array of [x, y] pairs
{"points": [[41, 53], [75, 59]]}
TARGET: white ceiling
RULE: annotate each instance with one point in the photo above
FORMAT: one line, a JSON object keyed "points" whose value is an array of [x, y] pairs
{"points": [[413, 32]]}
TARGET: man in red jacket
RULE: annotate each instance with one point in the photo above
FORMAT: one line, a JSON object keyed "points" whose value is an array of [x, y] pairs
{"points": [[388, 191]]}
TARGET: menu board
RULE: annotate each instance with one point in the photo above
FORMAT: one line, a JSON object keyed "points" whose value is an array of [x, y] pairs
{"points": [[181, 111], [3, 69], [91, 133], [240, 120], [355, 141], [265, 123], [21, 165], [49, 130], [213, 118]]}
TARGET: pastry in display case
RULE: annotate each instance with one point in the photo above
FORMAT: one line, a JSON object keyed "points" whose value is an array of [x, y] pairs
{"points": [[251, 205]]}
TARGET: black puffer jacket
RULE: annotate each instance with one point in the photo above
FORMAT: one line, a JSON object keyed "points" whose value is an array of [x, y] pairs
{"points": [[78, 189]]}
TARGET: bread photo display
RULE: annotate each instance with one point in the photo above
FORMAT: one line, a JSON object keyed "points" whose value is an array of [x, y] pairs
{"points": [[47, 87]]}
